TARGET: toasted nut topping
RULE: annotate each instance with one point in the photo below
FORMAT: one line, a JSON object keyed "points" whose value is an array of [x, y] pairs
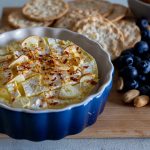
{"points": [[120, 84], [141, 101], [5, 58], [130, 95]]}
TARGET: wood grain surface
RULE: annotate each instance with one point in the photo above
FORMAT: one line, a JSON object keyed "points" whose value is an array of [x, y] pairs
{"points": [[117, 120]]}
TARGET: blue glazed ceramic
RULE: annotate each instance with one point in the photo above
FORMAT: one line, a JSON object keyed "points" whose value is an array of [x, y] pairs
{"points": [[56, 124]]}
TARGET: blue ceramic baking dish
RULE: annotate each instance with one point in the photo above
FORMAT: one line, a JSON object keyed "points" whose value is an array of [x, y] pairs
{"points": [[56, 124]]}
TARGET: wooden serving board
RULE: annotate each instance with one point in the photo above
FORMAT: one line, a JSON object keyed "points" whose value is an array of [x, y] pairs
{"points": [[117, 120]]}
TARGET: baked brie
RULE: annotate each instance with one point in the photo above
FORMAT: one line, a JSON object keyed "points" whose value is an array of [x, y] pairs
{"points": [[45, 73]]}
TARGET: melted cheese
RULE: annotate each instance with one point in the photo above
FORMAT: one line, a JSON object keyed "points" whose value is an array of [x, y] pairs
{"points": [[46, 73]]}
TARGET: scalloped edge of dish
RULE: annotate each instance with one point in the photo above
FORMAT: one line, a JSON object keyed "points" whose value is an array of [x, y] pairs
{"points": [[89, 98]]}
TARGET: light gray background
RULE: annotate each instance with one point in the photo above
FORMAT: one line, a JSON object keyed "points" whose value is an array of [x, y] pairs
{"points": [[72, 144]]}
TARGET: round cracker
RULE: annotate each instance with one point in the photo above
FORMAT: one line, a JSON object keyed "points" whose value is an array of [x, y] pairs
{"points": [[104, 32], [74, 15], [17, 20], [130, 31], [103, 7], [118, 12], [45, 10]]}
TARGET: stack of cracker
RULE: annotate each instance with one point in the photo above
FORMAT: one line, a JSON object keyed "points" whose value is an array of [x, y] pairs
{"points": [[111, 25], [36, 13]]}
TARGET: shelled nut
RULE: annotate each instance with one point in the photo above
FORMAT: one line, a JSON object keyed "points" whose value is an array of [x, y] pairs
{"points": [[129, 96], [120, 84], [141, 101]]}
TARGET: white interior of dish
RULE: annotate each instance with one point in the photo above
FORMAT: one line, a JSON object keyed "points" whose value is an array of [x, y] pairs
{"points": [[105, 66]]}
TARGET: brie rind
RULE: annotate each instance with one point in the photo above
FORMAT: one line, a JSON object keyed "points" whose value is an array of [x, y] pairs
{"points": [[26, 102], [13, 89], [54, 44], [33, 86], [33, 42], [20, 60], [70, 91], [18, 78]]}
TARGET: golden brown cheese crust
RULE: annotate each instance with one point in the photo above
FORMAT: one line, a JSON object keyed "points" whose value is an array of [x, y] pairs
{"points": [[46, 73]]}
